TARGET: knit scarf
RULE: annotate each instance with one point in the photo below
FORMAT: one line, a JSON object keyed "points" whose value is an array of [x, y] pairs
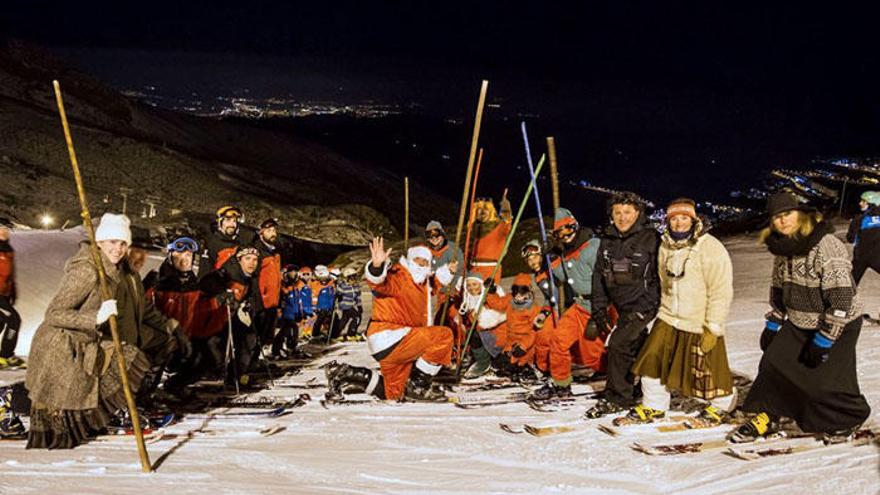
{"points": [[789, 246]]}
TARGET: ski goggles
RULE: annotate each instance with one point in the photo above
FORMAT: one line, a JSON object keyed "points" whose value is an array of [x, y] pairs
{"points": [[229, 212], [182, 244], [530, 249], [565, 230], [434, 234]]}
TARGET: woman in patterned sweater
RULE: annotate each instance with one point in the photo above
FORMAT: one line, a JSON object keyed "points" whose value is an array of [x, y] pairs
{"points": [[808, 372]]}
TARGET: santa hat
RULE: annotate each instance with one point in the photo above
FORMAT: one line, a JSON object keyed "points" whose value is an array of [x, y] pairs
{"points": [[563, 218], [523, 280], [418, 252], [114, 228], [682, 206]]}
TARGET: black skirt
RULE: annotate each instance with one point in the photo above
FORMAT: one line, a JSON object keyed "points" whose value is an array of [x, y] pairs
{"points": [[822, 399]]}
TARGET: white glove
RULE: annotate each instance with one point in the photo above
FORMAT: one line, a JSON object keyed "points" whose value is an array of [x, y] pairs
{"points": [[243, 316], [107, 309]]}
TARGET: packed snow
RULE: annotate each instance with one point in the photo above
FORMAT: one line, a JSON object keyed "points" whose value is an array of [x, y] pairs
{"points": [[431, 448]]}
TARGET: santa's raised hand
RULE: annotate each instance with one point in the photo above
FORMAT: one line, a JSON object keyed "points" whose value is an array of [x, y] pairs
{"points": [[378, 254]]}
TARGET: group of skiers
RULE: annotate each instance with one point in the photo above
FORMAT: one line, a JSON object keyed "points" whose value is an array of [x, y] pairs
{"points": [[647, 309], [174, 324]]}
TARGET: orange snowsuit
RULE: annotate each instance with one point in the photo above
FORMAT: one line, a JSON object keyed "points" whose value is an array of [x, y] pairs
{"points": [[401, 332], [521, 331], [487, 249]]}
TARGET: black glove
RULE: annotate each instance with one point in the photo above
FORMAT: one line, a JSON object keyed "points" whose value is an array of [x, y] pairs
{"points": [[771, 328], [591, 332], [517, 351], [816, 351], [489, 283], [227, 299]]}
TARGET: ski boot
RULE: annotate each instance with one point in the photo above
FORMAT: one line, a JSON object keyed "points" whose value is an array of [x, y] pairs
{"points": [[121, 420], [762, 425], [344, 379], [11, 362], [643, 414], [551, 390], [482, 364], [603, 407], [420, 387], [839, 436], [712, 415], [10, 423]]}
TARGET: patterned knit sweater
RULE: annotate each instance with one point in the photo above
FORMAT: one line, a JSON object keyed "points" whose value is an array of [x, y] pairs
{"points": [[815, 291]]}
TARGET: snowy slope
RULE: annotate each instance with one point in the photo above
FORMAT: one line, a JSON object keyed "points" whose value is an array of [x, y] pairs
{"points": [[437, 448]]}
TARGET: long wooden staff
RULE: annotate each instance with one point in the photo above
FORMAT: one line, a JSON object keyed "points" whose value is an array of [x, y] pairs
{"points": [[467, 237], [105, 289], [554, 172], [467, 185], [405, 213]]}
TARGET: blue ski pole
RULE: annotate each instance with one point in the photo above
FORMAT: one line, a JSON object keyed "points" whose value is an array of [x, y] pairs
{"points": [[553, 294]]}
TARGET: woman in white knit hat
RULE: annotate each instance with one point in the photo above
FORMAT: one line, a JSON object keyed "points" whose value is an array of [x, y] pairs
{"points": [[72, 379]]}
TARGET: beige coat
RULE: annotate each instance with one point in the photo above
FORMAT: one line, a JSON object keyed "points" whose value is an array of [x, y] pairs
{"points": [[696, 283], [66, 356]]}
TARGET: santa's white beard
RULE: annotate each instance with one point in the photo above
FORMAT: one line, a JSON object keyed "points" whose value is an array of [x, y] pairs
{"points": [[418, 273]]}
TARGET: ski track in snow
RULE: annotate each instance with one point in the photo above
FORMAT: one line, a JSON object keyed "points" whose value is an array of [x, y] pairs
{"points": [[431, 448]]}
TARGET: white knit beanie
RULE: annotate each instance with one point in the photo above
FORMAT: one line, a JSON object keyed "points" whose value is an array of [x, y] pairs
{"points": [[114, 228]]}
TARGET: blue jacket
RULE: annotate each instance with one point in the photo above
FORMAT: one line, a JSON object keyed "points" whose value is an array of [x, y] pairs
{"points": [[325, 299], [296, 303]]}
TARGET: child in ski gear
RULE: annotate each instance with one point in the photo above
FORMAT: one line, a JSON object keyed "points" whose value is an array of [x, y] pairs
{"points": [[285, 341], [224, 240], [401, 335], [573, 265], [488, 341], [533, 253], [626, 276], [349, 304], [323, 301], [10, 320], [73, 379], [808, 370], [304, 285], [864, 233], [522, 334], [685, 351], [269, 279], [490, 232]]}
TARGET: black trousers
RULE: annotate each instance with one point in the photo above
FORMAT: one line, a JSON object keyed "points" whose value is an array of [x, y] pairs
{"points": [[10, 324], [322, 323], [623, 348], [265, 325], [861, 264], [350, 318], [286, 337]]}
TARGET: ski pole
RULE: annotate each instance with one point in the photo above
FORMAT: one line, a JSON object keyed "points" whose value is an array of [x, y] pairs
{"points": [[467, 183], [507, 241], [230, 351], [146, 466], [554, 294]]}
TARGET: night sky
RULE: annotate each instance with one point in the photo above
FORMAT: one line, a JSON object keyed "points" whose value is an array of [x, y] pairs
{"points": [[671, 85]]}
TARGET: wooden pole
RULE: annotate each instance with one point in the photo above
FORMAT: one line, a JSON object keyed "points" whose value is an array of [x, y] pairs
{"points": [[406, 213], [105, 289], [478, 120], [554, 172], [467, 241]]}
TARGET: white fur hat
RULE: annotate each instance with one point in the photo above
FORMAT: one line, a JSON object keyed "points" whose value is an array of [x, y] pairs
{"points": [[418, 252], [114, 228]]}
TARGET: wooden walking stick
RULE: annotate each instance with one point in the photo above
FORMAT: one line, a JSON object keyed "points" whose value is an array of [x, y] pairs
{"points": [[554, 172], [467, 184], [105, 289], [467, 237], [406, 213]]}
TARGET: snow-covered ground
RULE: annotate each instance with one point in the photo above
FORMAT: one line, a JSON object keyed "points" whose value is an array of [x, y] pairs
{"points": [[434, 448]]}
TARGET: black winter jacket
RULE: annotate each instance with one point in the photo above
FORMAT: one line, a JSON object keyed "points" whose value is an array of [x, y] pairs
{"points": [[626, 270]]}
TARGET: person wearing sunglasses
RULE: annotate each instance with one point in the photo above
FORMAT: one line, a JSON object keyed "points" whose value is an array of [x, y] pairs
{"points": [[443, 252], [489, 233], [685, 351], [533, 254], [573, 265], [177, 295], [808, 370], [225, 239], [626, 277]]}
